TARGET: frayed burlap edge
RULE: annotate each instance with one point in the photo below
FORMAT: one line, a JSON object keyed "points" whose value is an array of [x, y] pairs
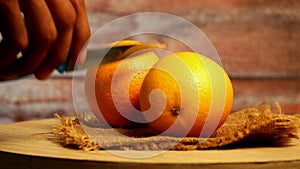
{"points": [[249, 126], [69, 133]]}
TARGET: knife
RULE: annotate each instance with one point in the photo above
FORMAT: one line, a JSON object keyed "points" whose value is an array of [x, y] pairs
{"points": [[112, 52], [94, 56]]}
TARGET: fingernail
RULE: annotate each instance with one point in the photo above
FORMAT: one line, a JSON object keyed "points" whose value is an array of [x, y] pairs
{"points": [[42, 75], [82, 56]]}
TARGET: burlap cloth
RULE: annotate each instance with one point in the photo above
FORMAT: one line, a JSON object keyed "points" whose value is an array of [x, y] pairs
{"points": [[257, 126]]}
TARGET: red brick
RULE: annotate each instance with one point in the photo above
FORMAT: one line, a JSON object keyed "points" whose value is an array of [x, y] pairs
{"points": [[254, 38], [180, 7], [29, 99], [252, 92]]}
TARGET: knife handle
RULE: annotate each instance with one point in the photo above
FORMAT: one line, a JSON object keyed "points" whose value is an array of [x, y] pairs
{"points": [[62, 68], [68, 65]]}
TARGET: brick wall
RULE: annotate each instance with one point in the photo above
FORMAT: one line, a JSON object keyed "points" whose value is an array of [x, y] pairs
{"points": [[257, 41]]}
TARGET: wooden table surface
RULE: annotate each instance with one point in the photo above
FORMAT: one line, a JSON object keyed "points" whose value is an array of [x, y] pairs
{"points": [[27, 145]]}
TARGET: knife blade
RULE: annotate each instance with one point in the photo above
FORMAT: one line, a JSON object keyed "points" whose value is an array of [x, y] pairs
{"points": [[111, 53], [93, 58]]}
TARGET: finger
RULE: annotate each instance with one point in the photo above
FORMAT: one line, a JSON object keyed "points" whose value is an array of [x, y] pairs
{"points": [[42, 34], [81, 30], [64, 17], [13, 31]]}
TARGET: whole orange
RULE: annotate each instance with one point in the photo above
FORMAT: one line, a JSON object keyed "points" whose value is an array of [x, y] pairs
{"points": [[186, 94], [113, 90]]}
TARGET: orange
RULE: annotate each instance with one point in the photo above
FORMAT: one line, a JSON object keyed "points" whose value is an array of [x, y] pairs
{"points": [[186, 94], [112, 90]]}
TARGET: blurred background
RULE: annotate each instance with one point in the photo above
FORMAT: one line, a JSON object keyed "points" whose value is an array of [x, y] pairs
{"points": [[258, 42]]}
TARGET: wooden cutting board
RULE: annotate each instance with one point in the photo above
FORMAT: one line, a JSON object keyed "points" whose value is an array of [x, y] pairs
{"points": [[31, 145]]}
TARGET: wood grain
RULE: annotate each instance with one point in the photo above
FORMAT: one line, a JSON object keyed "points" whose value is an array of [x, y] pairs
{"points": [[31, 145]]}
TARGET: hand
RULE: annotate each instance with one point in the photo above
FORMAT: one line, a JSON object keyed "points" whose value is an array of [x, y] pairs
{"points": [[45, 32]]}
